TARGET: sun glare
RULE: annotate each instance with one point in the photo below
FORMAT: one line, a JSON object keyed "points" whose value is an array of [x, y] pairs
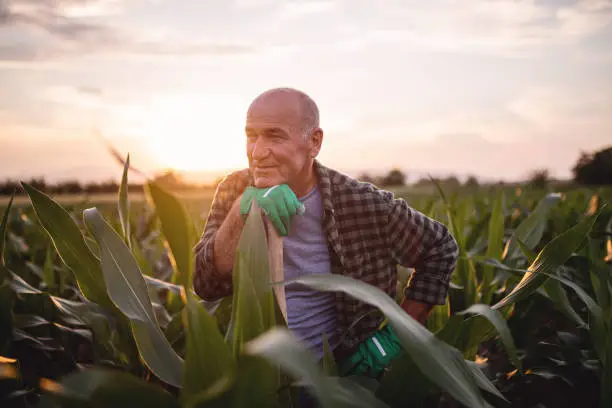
{"points": [[193, 133]]}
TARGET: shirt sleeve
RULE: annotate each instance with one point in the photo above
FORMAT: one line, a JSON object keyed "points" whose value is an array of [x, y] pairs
{"points": [[427, 246], [208, 282]]}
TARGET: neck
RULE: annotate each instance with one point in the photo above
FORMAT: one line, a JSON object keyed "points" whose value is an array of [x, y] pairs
{"points": [[307, 181]]}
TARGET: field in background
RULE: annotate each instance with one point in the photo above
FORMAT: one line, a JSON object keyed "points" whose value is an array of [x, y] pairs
{"points": [[542, 333]]}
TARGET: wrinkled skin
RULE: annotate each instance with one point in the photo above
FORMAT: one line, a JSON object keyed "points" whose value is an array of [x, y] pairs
{"points": [[276, 149]]}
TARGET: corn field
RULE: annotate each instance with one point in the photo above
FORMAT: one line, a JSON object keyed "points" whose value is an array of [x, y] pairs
{"points": [[97, 310]]}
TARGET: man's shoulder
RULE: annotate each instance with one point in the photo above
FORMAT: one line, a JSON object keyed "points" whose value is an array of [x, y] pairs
{"points": [[233, 183], [344, 185]]}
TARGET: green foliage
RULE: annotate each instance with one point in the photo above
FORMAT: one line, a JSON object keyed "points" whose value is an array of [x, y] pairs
{"points": [[109, 289]]}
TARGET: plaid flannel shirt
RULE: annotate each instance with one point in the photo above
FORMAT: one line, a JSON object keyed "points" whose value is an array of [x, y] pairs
{"points": [[369, 232]]}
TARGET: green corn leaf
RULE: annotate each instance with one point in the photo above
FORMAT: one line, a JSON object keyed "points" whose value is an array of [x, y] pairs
{"points": [[124, 204], [484, 383], [438, 317], [329, 363], [553, 255], [178, 230], [557, 294], [529, 254], [393, 386], [70, 246], [253, 309], [128, 291], [143, 263], [158, 284], [500, 324], [209, 365], [532, 228], [494, 247], [3, 224], [464, 269], [281, 347], [97, 387], [441, 363], [48, 271]]}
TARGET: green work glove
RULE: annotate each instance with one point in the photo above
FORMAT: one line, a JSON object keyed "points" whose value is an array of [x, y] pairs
{"points": [[278, 202], [374, 354]]}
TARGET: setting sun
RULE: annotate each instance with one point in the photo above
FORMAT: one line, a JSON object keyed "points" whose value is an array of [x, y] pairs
{"points": [[192, 133]]}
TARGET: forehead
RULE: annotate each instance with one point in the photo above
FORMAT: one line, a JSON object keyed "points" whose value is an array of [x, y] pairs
{"points": [[273, 111]]}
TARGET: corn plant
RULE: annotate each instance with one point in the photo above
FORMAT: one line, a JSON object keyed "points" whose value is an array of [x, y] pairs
{"points": [[156, 343]]}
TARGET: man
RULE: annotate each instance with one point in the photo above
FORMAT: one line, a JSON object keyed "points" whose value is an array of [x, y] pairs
{"points": [[331, 223]]}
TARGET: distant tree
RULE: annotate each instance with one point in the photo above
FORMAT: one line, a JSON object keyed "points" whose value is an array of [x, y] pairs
{"points": [[539, 178], [451, 183], [170, 180], [395, 177], [68, 187], [366, 177], [594, 168], [471, 182]]}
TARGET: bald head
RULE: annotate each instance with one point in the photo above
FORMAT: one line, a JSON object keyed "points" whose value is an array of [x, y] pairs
{"points": [[291, 105], [283, 139]]}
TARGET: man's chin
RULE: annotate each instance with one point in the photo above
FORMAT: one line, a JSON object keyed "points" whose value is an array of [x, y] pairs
{"points": [[264, 182]]}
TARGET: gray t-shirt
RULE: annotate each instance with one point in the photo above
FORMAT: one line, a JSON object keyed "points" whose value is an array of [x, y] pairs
{"points": [[310, 312]]}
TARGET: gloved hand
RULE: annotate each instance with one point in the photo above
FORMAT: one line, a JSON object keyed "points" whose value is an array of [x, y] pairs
{"points": [[374, 354], [278, 202]]}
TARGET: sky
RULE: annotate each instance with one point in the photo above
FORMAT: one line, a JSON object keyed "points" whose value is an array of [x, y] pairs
{"points": [[494, 89]]}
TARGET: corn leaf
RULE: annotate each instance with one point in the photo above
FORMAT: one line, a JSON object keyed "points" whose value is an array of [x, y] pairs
{"points": [[282, 348], [553, 255], [329, 363], [531, 229], [442, 364], [3, 224], [253, 312], [464, 270], [70, 246], [498, 321], [494, 247], [124, 204], [394, 387], [178, 230], [107, 388], [558, 296], [484, 383], [128, 291], [209, 366], [48, 271], [253, 309], [439, 316]]}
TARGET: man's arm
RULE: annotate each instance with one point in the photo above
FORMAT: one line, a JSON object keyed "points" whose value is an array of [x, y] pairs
{"points": [[216, 249], [226, 240], [426, 245]]}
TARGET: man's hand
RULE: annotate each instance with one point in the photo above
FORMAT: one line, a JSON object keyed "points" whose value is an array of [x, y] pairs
{"points": [[417, 310], [278, 202]]}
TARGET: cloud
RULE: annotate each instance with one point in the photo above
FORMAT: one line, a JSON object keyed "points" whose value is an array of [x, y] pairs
{"points": [[503, 27], [290, 10], [64, 19], [73, 28]]}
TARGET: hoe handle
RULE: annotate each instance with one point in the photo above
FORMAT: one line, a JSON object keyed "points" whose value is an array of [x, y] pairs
{"points": [[275, 260]]}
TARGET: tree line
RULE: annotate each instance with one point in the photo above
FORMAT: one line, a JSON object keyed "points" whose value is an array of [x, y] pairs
{"points": [[591, 169]]}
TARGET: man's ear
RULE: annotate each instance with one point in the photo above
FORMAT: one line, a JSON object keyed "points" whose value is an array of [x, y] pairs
{"points": [[316, 140]]}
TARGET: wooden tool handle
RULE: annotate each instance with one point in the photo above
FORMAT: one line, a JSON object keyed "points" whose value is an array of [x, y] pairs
{"points": [[275, 260]]}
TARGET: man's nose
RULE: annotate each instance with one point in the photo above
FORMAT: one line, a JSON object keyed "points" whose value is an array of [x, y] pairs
{"points": [[260, 150]]}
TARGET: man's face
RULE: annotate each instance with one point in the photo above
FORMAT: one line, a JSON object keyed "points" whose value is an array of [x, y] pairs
{"points": [[276, 150]]}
